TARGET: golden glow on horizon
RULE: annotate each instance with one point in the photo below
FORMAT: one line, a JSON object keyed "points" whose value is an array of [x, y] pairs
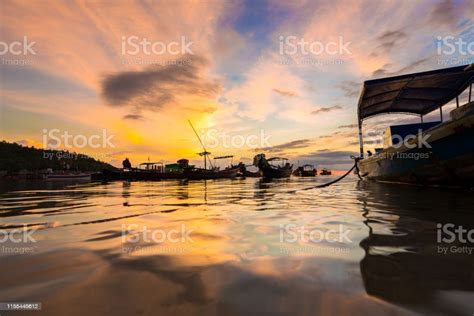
{"points": [[235, 80]]}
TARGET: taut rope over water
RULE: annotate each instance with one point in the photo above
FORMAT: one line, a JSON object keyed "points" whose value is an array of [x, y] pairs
{"points": [[326, 184]]}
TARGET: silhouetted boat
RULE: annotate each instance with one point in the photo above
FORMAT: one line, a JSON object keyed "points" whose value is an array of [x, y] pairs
{"points": [[250, 174], [439, 153], [269, 170], [148, 171], [67, 176], [325, 172], [243, 172], [305, 171], [206, 174]]}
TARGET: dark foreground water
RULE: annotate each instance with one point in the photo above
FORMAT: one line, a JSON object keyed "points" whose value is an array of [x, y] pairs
{"points": [[235, 247]]}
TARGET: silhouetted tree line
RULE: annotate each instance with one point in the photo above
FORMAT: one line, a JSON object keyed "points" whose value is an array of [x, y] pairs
{"points": [[15, 157]]}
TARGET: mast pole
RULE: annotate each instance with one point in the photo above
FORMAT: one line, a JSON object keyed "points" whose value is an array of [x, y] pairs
{"points": [[361, 141], [205, 153], [470, 91], [360, 119]]}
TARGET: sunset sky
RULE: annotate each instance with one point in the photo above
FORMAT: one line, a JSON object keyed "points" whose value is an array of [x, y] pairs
{"points": [[234, 80]]}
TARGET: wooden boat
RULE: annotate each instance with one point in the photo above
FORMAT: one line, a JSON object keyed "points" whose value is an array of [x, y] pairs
{"points": [[66, 176], [305, 171], [442, 154], [155, 171], [269, 169], [147, 171], [213, 172], [207, 174], [250, 174], [243, 172], [325, 172]]}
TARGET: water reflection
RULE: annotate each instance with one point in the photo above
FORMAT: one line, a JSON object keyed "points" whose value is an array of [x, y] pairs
{"points": [[236, 262], [403, 263]]}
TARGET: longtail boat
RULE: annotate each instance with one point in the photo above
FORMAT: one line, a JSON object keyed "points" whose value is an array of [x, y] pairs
{"points": [[305, 171], [440, 153], [276, 167], [325, 172]]}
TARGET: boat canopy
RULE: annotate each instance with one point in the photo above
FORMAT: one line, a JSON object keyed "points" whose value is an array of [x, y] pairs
{"points": [[150, 163], [277, 158], [224, 157], [418, 93]]}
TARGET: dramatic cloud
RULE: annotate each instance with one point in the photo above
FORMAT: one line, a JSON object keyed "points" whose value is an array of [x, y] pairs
{"points": [[366, 142], [348, 126], [342, 134], [333, 159], [80, 65], [383, 72], [387, 41], [285, 93], [134, 117], [449, 12], [300, 143], [326, 109], [351, 89], [155, 88]]}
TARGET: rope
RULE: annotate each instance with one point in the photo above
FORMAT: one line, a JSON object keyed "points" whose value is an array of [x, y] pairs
{"points": [[356, 159], [326, 184]]}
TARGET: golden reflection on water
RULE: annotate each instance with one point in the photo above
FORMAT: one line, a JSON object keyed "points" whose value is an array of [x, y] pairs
{"points": [[91, 248]]}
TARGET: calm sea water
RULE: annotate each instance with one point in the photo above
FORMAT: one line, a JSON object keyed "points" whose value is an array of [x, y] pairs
{"points": [[235, 247]]}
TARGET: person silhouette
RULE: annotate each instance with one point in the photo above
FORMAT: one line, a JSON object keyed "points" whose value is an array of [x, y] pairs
{"points": [[126, 164]]}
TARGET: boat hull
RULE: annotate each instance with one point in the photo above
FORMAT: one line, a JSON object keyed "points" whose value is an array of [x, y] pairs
{"points": [[205, 174], [133, 175], [156, 176], [306, 173], [67, 177], [269, 172], [249, 174], [449, 161]]}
